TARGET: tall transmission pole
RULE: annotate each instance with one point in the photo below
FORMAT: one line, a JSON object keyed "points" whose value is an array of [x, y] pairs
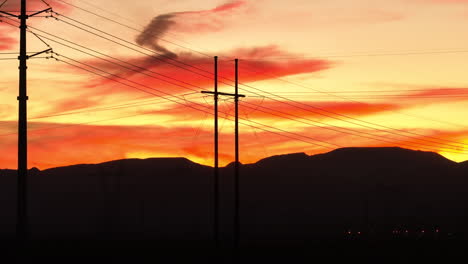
{"points": [[236, 167], [21, 214], [21, 224], [216, 160], [216, 95]]}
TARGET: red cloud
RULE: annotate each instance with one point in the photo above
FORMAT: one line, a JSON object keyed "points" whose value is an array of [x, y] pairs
{"points": [[344, 108], [435, 95], [190, 72], [276, 110]]}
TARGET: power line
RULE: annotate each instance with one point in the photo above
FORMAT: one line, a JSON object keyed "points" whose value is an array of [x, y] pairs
{"points": [[107, 108], [349, 119], [136, 68], [161, 57], [328, 55], [360, 55], [393, 53], [330, 112], [339, 131], [130, 27], [255, 88], [348, 131], [374, 91], [206, 111], [92, 55]]}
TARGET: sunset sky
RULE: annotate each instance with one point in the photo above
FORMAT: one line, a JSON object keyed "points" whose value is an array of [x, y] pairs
{"points": [[126, 78]]}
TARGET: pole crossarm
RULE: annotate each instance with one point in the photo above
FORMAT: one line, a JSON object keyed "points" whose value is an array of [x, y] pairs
{"points": [[39, 53], [27, 16], [9, 14], [40, 12], [221, 93]]}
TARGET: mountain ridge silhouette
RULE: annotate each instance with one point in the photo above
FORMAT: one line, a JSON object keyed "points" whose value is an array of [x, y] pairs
{"points": [[283, 197]]}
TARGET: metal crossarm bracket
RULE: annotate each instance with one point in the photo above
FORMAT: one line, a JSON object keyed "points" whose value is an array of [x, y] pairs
{"points": [[8, 14], [221, 93], [38, 53], [27, 16], [40, 12]]}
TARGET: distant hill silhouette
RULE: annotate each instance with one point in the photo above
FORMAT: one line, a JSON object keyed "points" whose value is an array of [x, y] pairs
{"points": [[286, 197]]}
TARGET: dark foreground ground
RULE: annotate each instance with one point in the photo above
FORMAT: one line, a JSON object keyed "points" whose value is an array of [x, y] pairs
{"points": [[343, 251]]}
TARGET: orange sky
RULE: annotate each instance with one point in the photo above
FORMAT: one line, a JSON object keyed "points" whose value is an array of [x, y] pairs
{"points": [[318, 75]]}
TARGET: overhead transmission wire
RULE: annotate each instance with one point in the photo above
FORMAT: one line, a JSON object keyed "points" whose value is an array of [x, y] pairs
{"points": [[183, 105], [381, 97], [88, 53], [161, 56], [94, 68], [129, 27], [206, 111], [334, 128], [362, 134], [364, 55], [407, 53], [302, 136], [107, 73], [347, 98], [271, 109], [355, 121], [278, 58], [120, 44], [136, 68], [349, 117], [330, 112], [190, 106], [106, 108]]}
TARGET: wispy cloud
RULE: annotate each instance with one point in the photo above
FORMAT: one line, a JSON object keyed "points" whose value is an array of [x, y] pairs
{"points": [[199, 21]]}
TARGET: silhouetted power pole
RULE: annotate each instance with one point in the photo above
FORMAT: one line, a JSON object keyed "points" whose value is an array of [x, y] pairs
{"points": [[216, 162], [236, 96], [236, 166], [22, 218]]}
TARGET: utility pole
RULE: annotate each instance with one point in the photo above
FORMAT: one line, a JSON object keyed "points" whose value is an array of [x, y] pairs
{"points": [[21, 222], [21, 214], [236, 166], [236, 96]]}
